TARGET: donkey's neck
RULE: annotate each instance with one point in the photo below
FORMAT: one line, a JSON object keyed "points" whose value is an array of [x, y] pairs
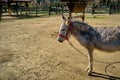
{"points": [[82, 32], [80, 29]]}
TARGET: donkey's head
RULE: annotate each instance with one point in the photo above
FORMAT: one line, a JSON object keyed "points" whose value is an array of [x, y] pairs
{"points": [[64, 31]]}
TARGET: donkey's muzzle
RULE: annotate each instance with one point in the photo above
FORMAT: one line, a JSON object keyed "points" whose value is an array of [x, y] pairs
{"points": [[60, 40]]}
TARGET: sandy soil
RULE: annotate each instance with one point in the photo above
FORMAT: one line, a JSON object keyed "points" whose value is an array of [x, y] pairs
{"points": [[29, 51]]}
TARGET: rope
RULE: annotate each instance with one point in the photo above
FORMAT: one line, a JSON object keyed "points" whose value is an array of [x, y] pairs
{"points": [[71, 44]]}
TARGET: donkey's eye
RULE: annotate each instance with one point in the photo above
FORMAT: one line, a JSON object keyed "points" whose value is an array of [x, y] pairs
{"points": [[62, 29]]}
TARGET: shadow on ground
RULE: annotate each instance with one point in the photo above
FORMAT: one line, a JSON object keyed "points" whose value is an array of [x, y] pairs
{"points": [[105, 76]]}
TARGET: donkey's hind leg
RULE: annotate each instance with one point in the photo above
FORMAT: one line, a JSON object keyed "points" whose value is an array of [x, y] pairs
{"points": [[90, 58]]}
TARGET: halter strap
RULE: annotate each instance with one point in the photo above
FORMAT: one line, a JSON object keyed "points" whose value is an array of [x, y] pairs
{"points": [[69, 30], [64, 37]]}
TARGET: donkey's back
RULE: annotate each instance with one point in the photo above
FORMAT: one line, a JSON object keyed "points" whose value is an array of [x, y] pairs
{"points": [[108, 38]]}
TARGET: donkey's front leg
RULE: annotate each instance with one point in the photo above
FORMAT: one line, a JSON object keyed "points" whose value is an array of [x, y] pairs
{"points": [[90, 58]]}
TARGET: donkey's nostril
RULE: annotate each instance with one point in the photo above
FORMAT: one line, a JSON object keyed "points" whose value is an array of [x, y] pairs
{"points": [[60, 40]]}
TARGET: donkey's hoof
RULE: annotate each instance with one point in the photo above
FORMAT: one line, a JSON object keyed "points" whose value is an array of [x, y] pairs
{"points": [[88, 69], [89, 73]]}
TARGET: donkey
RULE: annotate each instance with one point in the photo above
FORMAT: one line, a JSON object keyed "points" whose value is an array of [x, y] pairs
{"points": [[102, 38]]}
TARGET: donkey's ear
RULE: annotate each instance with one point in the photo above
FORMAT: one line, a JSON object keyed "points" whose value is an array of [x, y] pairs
{"points": [[64, 19]]}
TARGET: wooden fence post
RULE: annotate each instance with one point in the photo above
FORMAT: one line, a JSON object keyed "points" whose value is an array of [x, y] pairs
{"points": [[93, 8], [0, 11], [110, 6]]}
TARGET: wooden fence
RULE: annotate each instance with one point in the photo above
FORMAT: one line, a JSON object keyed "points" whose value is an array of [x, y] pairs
{"points": [[59, 8]]}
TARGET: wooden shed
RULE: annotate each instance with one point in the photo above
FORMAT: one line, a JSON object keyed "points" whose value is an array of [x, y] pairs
{"points": [[75, 1], [76, 6]]}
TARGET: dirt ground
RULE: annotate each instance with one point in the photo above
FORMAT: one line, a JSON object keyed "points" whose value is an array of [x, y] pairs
{"points": [[29, 50]]}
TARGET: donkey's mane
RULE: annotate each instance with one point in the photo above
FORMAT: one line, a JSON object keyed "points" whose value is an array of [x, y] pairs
{"points": [[83, 23], [79, 24]]}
